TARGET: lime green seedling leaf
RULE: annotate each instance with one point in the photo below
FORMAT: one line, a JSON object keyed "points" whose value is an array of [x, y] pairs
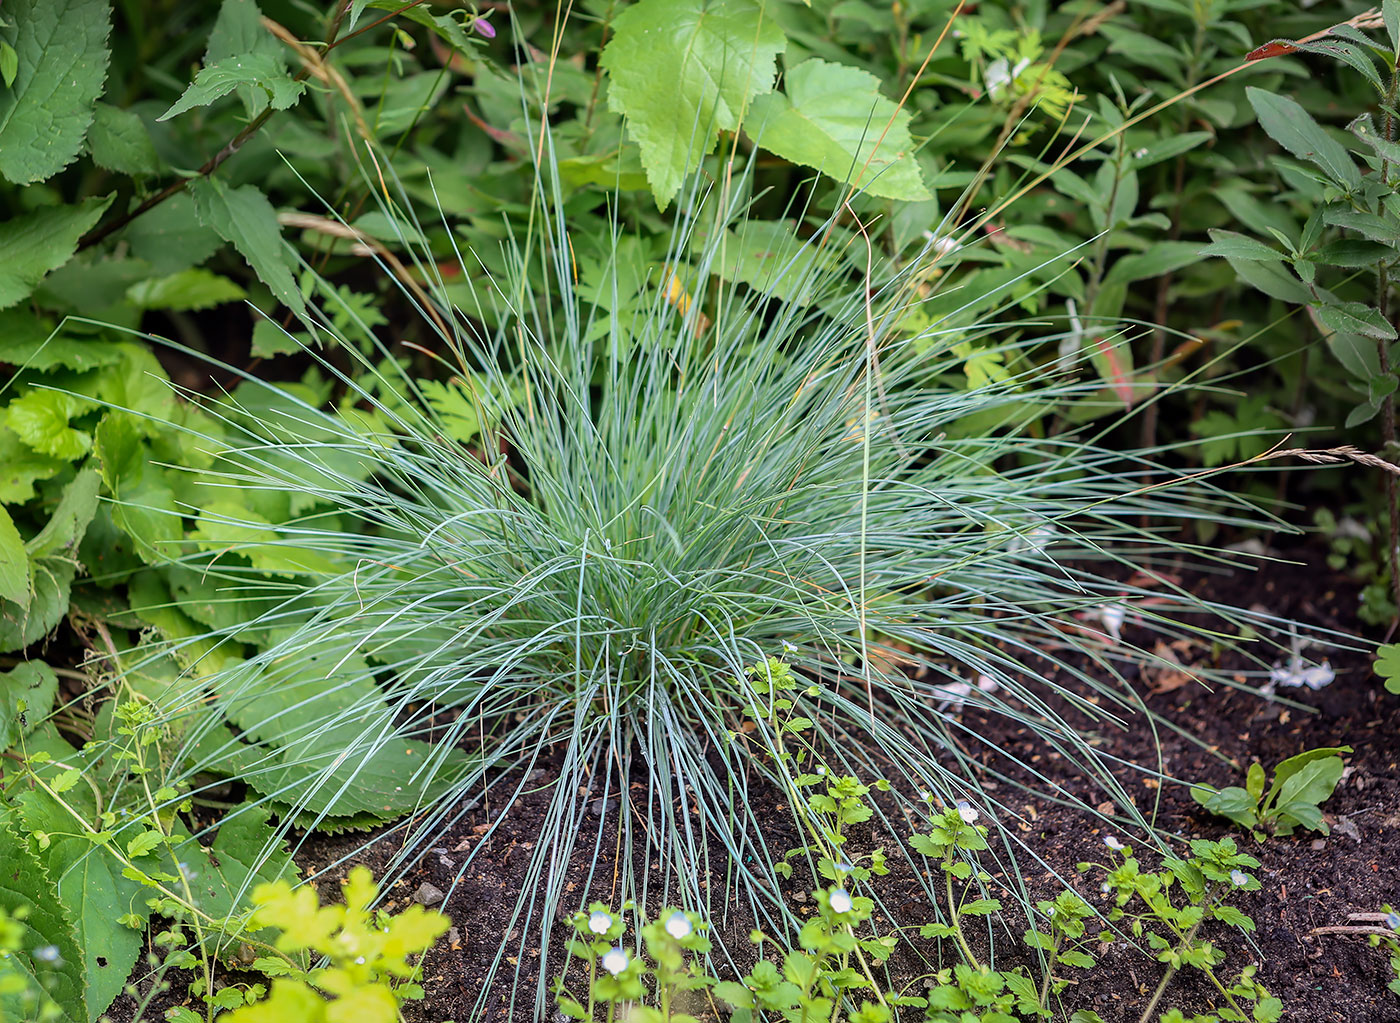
{"points": [[1292, 127], [1388, 666], [195, 288], [48, 956], [26, 697], [32, 244], [15, 578], [119, 141], [244, 217], [61, 62], [834, 119], [714, 55], [262, 71]]}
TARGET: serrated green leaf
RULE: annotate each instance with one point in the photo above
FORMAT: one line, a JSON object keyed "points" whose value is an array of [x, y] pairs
{"points": [[834, 119], [60, 535], [244, 217], [21, 467], [195, 288], [41, 419], [170, 236], [34, 683], [144, 501], [714, 55], [1292, 127], [62, 57], [15, 577], [259, 70], [32, 244], [24, 887], [119, 141], [768, 256]]}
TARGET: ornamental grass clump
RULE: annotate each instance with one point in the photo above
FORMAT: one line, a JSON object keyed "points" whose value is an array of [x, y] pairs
{"points": [[631, 491]]}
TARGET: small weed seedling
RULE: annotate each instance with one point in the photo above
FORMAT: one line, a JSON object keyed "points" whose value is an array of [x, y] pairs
{"points": [[369, 974], [1301, 785], [1168, 909]]}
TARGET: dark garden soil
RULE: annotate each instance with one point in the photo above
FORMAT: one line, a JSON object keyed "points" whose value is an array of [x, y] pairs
{"points": [[1308, 881]]}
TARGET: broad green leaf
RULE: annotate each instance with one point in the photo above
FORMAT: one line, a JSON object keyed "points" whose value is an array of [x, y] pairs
{"points": [[1388, 666], [32, 244], [41, 419], [31, 342], [768, 256], [1357, 354], [1272, 280], [1233, 802], [260, 70], [34, 683], [834, 119], [90, 886], [144, 505], [244, 217], [1300, 795], [170, 236], [1292, 127], [1287, 768], [1233, 245], [60, 536], [195, 288], [21, 467], [119, 141], [1162, 258], [61, 46], [15, 579], [227, 526], [714, 57], [24, 887]]}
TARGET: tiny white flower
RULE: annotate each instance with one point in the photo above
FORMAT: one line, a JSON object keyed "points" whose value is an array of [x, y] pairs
{"points": [[615, 960], [678, 925], [1049, 911], [1140, 153], [789, 648], [1112, 616], [840, 900], [925, 795], [1239, 878], [1392, 920], [48, 953], [967, 811], [845, 866], [1105, 888], [599, 922], [360, 960], [821, 769], [1113, 843]]}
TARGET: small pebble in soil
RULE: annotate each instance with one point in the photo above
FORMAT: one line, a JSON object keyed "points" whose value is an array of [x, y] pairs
{"points": [[428, 894], [1318, 843], [601, 806]]}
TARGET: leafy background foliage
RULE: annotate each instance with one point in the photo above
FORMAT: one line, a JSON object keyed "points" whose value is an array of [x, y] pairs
{"points": [[209, 174]]}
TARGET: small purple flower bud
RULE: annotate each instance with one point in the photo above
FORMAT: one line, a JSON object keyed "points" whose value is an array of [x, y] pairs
{"points": [[484, 28]]}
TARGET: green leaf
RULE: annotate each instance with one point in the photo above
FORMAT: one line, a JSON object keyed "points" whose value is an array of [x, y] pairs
{"points": [[170, 236], [244, 217], [21, 466], [715, 56], [1354, 318], [36, 685], [25, 888], [61, 46], [70, 519], [768, 256], [119, 141], [15, 578], [261, 70], [1234, 803], [1233, 245], [9, 63], [32, 244], [1388, 666], [1273, 280], [41, 419], [834, 119], [195, 288], [1292, 127], [144, 502], [91, 888], [1162, 258]]}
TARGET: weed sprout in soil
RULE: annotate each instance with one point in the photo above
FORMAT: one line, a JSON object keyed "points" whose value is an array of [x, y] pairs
{"points": [[636, 487]]}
